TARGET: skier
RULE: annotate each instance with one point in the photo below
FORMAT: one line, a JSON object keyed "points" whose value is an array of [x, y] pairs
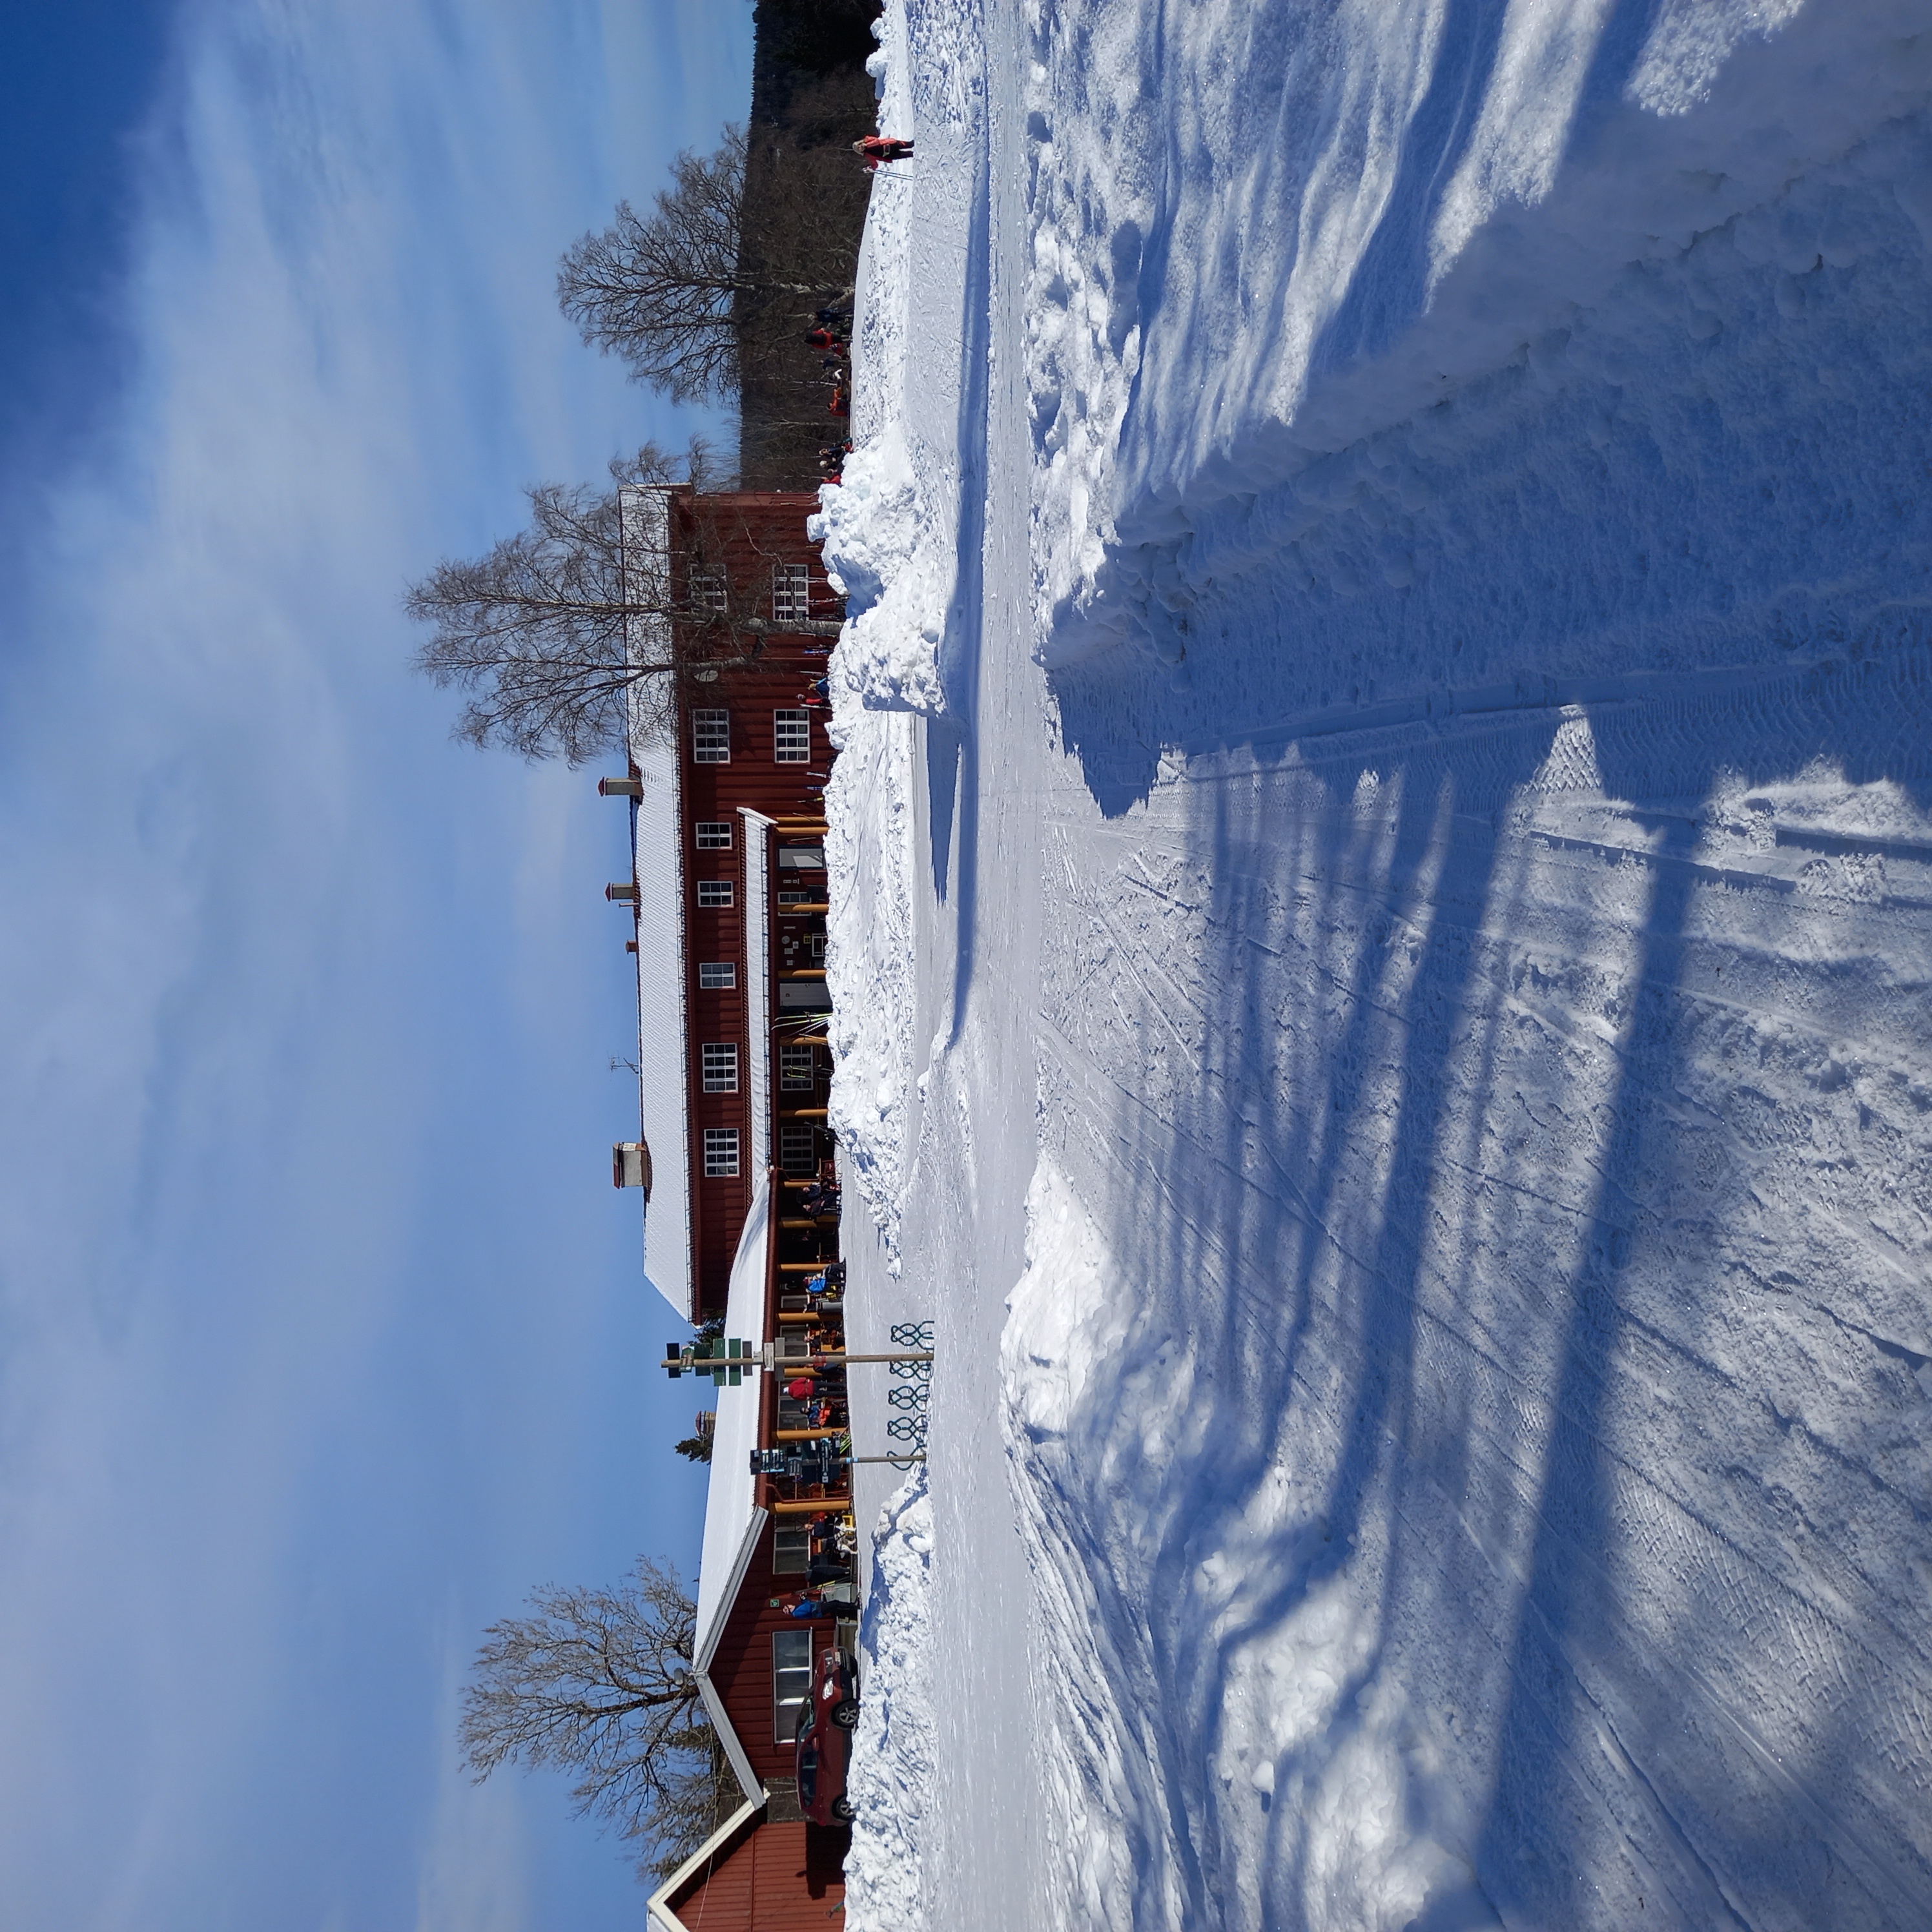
{"points": [[822, 338], [878, 147]]}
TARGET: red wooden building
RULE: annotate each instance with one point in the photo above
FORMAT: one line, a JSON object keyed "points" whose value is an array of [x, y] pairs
{"points": [[728, 891]]}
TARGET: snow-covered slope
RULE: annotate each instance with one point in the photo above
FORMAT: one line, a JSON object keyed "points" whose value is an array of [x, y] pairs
{"points": [[1398, 1046]]}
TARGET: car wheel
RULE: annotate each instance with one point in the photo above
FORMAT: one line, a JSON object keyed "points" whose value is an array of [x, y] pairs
{"points": [[841, 1809], [845, 1715]]}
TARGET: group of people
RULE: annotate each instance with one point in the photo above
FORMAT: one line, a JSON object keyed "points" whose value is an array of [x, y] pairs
{"points": [[827, 334]]}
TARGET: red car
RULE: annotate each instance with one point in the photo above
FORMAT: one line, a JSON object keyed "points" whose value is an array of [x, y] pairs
{"points": [[825, 1740]]}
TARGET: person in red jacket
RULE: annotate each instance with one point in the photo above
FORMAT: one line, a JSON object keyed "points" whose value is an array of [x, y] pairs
{"points": [[878, 147]]}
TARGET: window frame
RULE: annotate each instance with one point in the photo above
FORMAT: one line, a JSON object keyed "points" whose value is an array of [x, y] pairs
{"points": [[793, 1055], [791, 737], [712, 835], [721, 1053], [721, 1143], [791, 593], [718, 975], [805, 1135], [786, 1644], [717, 895], [710, 735]]}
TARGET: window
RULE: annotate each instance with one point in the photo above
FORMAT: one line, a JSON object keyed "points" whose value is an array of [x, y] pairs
{"points": [[791, 593], [720, 1059], [798, 1150], [713, 837], [815, 947], [798, 1069], [707, 590], [717, 976], [791, 1549], [791, 1681], [711, 737], [714, 892], [792, 737], [795, 895], [720, 1153]]}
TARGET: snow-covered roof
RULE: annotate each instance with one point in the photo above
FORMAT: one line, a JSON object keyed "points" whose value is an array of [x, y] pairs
{"points": [[733, 1522], [657, 845]]}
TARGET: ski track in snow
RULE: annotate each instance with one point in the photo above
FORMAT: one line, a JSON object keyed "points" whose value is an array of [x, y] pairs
{"points": [[1389, 843]]}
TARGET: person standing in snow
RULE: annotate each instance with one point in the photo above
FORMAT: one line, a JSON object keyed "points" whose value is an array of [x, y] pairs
{"points": [[878, 147]]}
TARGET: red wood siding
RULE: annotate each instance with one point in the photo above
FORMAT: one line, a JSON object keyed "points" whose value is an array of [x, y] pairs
{"points": [[772, 1878], [741, 1667], [747, 534]]}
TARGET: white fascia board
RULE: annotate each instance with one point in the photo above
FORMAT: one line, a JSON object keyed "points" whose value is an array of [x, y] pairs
{"points": [[749, 1782], [728, 1586], [658, 1910]]}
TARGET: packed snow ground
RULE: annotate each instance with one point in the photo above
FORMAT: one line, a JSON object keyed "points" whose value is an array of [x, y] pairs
{"points": [[1383, 914]]}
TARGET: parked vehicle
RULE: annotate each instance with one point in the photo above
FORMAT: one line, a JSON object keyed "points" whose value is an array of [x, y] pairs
{"points": [[825, 1739]]}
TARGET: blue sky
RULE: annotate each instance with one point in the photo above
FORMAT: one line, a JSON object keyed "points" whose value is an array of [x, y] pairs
{"points": [[323, 1333]]}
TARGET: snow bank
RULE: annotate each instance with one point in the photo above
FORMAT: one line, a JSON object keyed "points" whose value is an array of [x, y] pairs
{"points": [[894, 1747], [881, 548], [1280, 229], [891, 527], [872, 858]]}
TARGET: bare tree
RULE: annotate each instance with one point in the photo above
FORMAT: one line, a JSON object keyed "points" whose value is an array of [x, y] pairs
{"points": [[572, 636], [599, 1683], [673, 294]]}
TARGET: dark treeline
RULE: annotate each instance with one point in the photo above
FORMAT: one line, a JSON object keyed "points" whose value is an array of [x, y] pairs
{"points": [[805, 212]]}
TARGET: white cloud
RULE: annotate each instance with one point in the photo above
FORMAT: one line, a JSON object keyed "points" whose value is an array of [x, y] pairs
{"points": [[297, 1285]]}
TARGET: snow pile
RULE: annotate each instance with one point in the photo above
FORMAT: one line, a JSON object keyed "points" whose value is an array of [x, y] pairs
{"points": [[872, 859], [871, 525], [1281, 229], [894, 1747], [890, 527]]}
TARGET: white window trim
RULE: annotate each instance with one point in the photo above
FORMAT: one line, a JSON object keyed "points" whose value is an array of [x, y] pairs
{"points": [[791, 593], [796, 725], [718, 975]]}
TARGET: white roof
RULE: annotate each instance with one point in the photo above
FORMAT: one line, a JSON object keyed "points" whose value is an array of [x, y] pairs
{"points": [[733, 1522], [730, 1518], [657, 844]]}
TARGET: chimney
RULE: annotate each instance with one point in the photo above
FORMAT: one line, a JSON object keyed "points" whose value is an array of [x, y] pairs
{"points": [[630, 1165], [620, 787], [626, 894]]}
